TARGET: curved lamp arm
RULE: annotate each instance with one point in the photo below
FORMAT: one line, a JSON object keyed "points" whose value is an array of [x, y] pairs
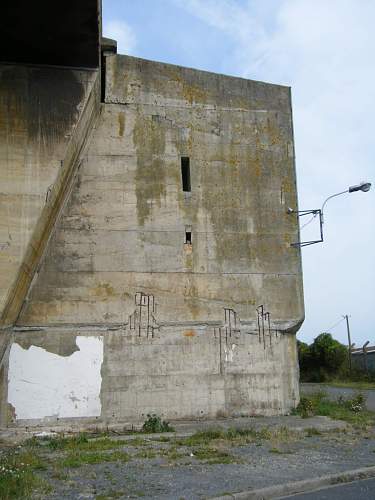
{"points": [[363, 186]]}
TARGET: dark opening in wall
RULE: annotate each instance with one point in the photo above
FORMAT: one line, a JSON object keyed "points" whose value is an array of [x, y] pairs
{"points": [[185, 173], [188, 237]]}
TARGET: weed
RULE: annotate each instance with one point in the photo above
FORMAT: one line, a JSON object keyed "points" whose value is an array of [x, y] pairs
{"points": [[155, 424], [59, 474], [79, 442], [280, 452], [212, 456], [312, 431], [148, 453], [305, 408], [350, 410], [201, 437], [17, 477], [78, 458], [172, 453], [162, 439], [236, 436]]}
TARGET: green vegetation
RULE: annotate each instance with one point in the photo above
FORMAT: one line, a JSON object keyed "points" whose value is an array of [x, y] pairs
{"points": [[352, 410], [154, 424], [136, 442], [326, 360], [147, 453], [237, 436], [352, 384], [280, 452], [110, 495], [79, 442], [17, 475], [163, 439], [311, 431], [78, 458]]}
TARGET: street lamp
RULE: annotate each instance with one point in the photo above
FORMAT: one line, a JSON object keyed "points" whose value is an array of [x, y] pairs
{"points": [[363, 186]]}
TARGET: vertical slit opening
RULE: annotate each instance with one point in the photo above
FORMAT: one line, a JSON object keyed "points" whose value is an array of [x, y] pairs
{"points": [[185, 174], [188, 237]]}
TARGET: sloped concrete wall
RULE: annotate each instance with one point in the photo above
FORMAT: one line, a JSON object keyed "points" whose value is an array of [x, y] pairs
{"points": [[40, 136], [45, 117]]}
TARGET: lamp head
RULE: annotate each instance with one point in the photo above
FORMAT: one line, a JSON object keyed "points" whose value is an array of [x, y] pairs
{"points": [[363, 186]]}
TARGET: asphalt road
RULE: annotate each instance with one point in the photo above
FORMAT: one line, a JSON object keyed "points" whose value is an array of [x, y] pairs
{"points": [[359, 490]]}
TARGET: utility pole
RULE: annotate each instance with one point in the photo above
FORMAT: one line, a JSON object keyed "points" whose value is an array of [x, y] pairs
{"points": [[349, 343]]}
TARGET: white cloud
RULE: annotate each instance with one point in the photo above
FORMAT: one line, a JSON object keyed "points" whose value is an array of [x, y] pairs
{"points": [[123, 33], [325, 51]]}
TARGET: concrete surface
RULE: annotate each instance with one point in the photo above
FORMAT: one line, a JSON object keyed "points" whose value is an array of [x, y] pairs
{"points": [[167, 467], [178, 319], [357, 490], [55, 33], [182, 428]]}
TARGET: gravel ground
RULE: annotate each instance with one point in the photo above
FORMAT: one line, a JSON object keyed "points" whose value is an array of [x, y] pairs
{"points": [[177, 470]]}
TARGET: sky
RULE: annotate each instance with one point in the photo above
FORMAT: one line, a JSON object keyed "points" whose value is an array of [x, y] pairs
{"points": [[324, 50]]}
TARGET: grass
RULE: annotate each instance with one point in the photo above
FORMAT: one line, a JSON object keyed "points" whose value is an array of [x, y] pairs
{"points": [[311, 431], [213, 456], [363, 385], [76, 459], [137, 442], [346, 410], [147, 453], [79, 442], [17, 475], [236, 436], [280, 452], [110, 495], [163, 439]]}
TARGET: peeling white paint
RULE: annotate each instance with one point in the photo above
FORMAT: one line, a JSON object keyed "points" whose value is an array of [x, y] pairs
{"points": [[43, 384], [229, 351]]}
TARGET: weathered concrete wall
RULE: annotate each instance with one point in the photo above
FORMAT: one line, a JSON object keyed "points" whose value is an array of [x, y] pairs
{"points": [[124, 228], [45, 114], [178, 320], [177, 374]]}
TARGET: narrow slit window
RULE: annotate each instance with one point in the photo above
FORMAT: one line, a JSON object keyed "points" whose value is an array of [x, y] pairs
{"points": [[188, 237], [185, 174]]}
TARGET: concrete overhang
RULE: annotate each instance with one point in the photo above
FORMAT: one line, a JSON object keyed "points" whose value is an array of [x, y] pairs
{"points": [[51, 32]]}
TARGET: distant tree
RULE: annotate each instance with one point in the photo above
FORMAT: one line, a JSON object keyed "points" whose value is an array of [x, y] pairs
{"points": [[323, 360]]}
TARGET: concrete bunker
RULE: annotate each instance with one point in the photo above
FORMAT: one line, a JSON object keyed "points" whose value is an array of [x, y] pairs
{"points": [[107, 292]]}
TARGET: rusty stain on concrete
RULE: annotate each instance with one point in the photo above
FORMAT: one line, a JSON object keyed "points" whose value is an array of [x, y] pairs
{"points": [[190, 333]]}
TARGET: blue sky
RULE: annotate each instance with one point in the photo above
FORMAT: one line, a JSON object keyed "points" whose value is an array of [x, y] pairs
{"points": [[325, 50]]}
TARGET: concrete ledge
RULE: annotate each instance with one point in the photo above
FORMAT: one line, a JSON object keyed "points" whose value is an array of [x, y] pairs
{"points": [[292, 488]]}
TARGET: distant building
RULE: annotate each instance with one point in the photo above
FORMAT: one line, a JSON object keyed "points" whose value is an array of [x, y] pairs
{"points": [[364, 359], [146, 263]]}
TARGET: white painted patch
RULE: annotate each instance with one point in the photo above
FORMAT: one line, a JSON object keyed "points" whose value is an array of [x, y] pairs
{"points": [[43, 384], [229, 351]]}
